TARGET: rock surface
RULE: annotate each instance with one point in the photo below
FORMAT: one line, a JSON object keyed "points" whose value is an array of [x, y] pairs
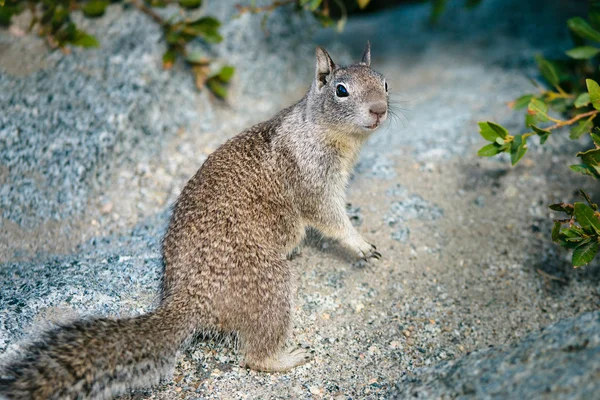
{"points": [[77, 129], [95, 146], [560, 362]]}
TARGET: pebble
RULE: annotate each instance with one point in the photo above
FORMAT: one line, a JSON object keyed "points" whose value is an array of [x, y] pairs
{"points": [[106, 208], [316, 390]]}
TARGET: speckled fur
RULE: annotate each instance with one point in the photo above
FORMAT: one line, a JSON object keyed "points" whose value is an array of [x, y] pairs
{"points": [[225, 267]]}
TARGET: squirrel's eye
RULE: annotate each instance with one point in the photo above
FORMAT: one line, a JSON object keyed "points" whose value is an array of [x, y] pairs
{"points": [[341, 91], [386, 87]]}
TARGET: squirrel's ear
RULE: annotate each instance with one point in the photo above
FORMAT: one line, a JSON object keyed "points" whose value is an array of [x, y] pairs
{"points": [[366, 58], [325, 66]]}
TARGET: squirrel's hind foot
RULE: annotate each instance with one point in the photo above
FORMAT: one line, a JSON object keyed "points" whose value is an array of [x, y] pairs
{"points": [[281, 362]]}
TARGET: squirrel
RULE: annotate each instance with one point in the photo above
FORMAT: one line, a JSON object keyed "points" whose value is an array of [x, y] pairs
{"points": [[224, 252]]}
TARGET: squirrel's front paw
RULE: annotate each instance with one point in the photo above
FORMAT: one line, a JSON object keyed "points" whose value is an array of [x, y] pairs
{"points": [[366, 251]]}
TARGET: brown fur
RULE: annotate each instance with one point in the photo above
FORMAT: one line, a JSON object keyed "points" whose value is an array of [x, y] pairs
{"points": [[225, 267]]}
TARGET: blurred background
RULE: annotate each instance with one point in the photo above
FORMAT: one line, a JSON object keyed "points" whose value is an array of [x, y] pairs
{"points": [[108, 108]]}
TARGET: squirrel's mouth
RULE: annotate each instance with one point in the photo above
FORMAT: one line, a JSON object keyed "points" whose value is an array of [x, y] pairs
{"points": [[373, 126]]}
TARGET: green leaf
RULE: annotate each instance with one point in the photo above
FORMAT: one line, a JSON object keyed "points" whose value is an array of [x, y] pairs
{"points": [[157, 3], [1, 3], [583, 29], [572, 232], [362, 4], [437, 8], [591, 158], [594, 91], [584, 253], [589, 200], [582, 100], [190, 4], [583, 126], [539, 109], [314, 4], [217, 88], [68, 33], [95, 8], [579, 239], [6, 13], [206, 28], [531, 119], [540, 131], [500, 130], [595, 137], [518, 149], [548, 70], [226, 73], [5, 16], [204, 23], [587, 218], [173, 37], [556, 231], [563, 207], [82, 39], [169, 58], [489, 150], [544, 134], [490, 131], [583, 52], [522, 102], [60, 17], [585, 170], [212, 37]]}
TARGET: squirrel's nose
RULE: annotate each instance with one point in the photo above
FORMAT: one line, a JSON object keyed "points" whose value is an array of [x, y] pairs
{"points": [[378, 109]]}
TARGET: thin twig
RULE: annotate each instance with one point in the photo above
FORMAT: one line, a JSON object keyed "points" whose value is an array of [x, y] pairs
{"points": [[572, 120], [548, 276], [148, 11]]}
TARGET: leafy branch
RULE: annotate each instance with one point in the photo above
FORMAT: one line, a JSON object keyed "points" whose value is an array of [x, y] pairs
{"points": [[572, 90], [52, 20], [582, 231]]}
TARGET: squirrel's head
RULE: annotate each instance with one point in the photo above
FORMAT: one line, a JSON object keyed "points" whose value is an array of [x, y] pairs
{"points": [[352, 99]]}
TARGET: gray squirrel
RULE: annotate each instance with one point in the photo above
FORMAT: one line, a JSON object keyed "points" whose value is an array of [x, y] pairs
{"points": [[224, 252]]}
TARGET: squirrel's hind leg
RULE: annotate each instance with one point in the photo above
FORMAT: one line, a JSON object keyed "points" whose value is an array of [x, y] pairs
{"points": [[265, 324]]}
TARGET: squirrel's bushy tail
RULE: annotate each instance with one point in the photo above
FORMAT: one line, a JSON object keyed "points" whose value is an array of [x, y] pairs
{"points": [[98, 358]]}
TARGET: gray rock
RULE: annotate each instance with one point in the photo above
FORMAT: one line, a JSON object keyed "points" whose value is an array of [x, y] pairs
{"points": [[414, 207], [354, 214], [376, 166], [401, 234], [561, 361], [117, 275], [66, 128], [479, 201]]}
